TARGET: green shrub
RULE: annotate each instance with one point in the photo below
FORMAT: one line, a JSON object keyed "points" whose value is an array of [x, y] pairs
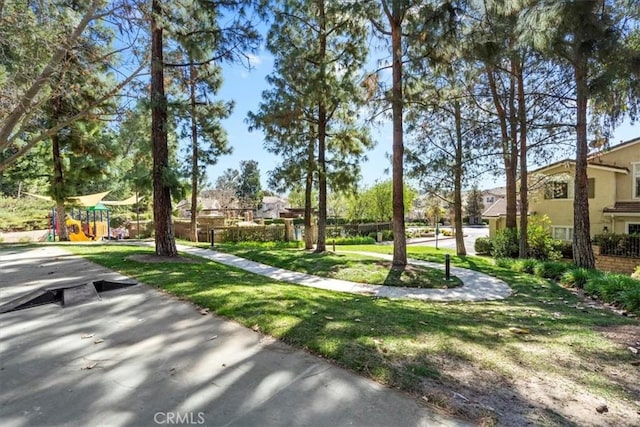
{"points": [[504, 262], [609, 287], [576, 277], [551, 269], [505, 244], [483, 246], [118, 220], [630, 299], [614, 288], [527, 265], [269, 233], [564, 248], [387, 235], [351, 241], [296, 244], [24, 214], [541, 245]]}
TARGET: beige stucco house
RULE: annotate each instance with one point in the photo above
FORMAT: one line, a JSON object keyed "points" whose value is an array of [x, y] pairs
{"points": [[614, 192]]}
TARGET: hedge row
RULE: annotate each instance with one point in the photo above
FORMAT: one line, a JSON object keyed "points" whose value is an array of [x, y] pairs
{"points": [[618, 289]]}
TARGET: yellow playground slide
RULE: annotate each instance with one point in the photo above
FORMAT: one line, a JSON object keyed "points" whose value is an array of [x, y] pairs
{"points": [[74, 227]]}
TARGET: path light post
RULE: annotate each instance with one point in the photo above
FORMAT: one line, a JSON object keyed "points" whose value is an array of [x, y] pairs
{"points": [[137, 215], [447, 267], [212, 232]]}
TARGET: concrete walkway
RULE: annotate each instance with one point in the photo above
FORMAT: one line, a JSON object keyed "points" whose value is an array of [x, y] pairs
{"points": [[476, 286], [140, 357]]}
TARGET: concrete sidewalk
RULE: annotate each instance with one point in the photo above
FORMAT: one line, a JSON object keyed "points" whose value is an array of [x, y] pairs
{"points": [[140, 357], [477, 286]]}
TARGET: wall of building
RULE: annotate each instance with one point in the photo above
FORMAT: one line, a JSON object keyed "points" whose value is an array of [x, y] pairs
{"points": [[560, 211], [623, 157]]}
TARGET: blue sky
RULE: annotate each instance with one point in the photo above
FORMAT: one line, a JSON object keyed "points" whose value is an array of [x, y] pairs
{"points": [[245, 88]]}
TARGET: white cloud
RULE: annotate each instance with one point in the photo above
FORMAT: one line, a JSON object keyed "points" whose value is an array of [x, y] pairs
{"points": [[254, 60]]}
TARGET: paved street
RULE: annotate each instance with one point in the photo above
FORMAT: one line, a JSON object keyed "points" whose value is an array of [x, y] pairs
{"points": [[471, 234]]}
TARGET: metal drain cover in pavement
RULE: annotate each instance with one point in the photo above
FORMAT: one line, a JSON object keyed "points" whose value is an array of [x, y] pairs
{"points": [[79, 295], [66, 295]]}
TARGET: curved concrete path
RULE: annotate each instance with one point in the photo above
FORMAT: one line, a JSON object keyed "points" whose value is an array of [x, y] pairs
{"points": [[476, 286]]}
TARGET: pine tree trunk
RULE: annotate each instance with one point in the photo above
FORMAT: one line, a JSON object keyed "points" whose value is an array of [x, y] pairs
{"points": [[57, 185], [322, 137], [322, 181], [308, 188], [63, 233], [507, 151], [457, 190], [194, 155], [511, 219], [399, 237], [523, 247], [582, 250], [164, 239]]}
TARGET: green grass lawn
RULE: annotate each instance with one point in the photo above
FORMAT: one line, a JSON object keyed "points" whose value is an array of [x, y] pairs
{"points": [[426, 348], [352, 267]]}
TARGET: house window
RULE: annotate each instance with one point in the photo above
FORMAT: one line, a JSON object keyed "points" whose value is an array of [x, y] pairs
{"points": [[633, 228], [636, 181], [591, 187], [556, 190], [489, 199], [562, 233]]}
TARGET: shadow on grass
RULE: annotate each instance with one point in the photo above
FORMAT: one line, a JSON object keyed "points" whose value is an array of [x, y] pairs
{"points": [[405, 344], [394, 276]]}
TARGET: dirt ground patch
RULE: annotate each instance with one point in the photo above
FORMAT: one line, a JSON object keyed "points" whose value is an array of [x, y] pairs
{"points": [[625, 335], [519, 395]]}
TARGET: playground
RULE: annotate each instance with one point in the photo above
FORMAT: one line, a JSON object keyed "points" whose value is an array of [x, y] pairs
{"points": [[88, 218]]}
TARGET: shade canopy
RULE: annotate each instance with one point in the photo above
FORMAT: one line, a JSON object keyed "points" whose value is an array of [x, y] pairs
{"points": [[130, 201], [88, 200], [85, 201]]}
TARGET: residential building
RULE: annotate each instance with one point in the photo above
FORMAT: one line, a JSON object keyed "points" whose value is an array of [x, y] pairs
{"points": [[613, 185], [614, 193], [272, 207], [493, 195], [496, 212]]}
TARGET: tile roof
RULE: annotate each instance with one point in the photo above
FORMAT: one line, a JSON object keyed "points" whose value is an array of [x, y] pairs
{"points": [[624, 207], [499, 208]]}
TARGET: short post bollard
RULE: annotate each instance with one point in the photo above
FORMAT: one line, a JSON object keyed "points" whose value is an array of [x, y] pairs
{"points": [[212, 236], [447, 267]]}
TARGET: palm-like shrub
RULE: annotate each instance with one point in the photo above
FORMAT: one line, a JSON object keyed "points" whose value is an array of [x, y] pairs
{"points": [[576, 277], [551, 269], [525, 265], [609, 286]]}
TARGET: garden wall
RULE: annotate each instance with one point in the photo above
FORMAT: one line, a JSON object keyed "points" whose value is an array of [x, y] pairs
{"points": [[615, 264]]}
